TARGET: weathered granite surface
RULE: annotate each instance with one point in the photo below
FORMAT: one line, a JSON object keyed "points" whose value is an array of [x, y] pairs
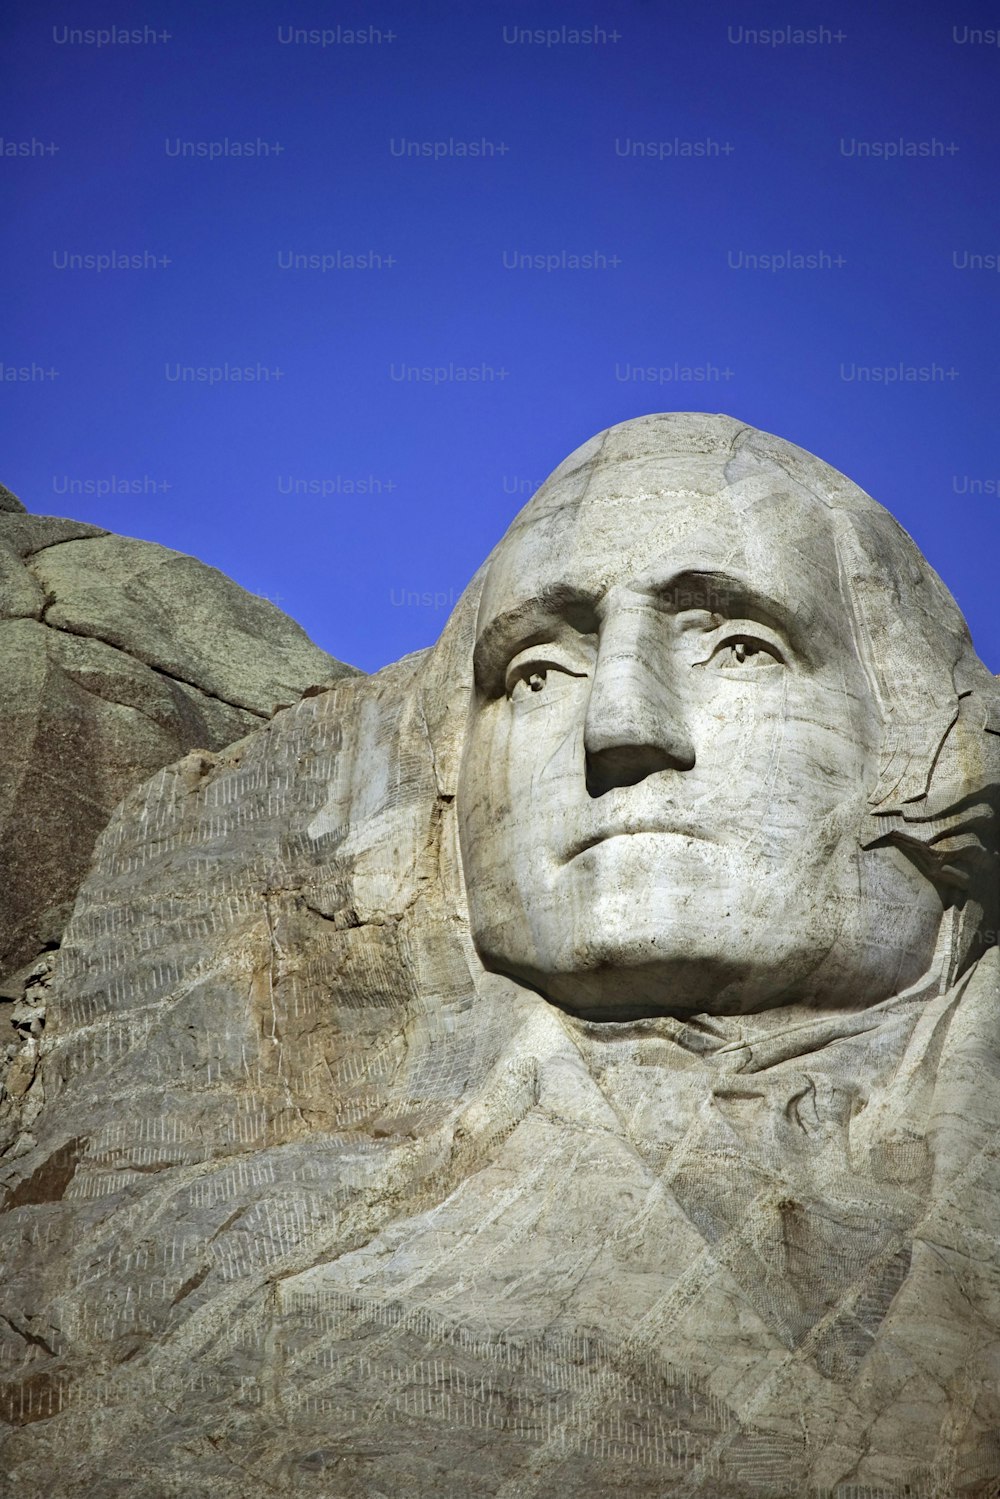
{"points": [[564, 1063], [117, 656]]}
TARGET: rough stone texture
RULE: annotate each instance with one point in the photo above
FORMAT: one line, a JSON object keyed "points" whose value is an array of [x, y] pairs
{"points": [[353, 1168], [117, 656], [10, 501]]}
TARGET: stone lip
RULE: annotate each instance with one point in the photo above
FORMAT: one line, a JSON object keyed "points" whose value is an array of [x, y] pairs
{"points": [[118, 657]]}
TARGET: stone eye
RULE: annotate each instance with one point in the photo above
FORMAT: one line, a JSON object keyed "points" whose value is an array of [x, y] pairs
{"points": [[746, 650], [533, 675], [532, 679]]}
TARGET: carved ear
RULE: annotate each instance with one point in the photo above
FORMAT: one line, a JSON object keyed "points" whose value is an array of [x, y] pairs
{"points": [[951, 832], [914, 645], [911, 744]]}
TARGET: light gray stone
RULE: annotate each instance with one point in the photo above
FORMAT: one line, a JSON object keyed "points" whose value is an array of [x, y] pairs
{"points": [[562, 1064]]}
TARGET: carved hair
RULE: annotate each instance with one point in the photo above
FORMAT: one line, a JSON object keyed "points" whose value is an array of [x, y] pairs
{"points": [[938, 791]]}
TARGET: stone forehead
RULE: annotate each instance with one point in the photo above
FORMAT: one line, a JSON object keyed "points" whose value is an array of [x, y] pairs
{"points": [[790, 518], [687, 453]]}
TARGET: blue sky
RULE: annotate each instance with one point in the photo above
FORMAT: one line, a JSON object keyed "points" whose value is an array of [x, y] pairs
{"points": [[678, 149]]}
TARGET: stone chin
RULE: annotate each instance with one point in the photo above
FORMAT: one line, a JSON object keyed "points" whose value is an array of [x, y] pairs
{"points": [[616, 938]]}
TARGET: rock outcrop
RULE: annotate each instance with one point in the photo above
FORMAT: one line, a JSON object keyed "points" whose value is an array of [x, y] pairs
{"points": [[117, 656]]}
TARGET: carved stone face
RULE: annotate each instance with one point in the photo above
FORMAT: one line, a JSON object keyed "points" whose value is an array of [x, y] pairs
{"points": [[669, 756]]}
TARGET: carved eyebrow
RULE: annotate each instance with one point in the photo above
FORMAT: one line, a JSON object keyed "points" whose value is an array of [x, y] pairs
{"points": [[530, 622], [728, 594], [533, 620]]}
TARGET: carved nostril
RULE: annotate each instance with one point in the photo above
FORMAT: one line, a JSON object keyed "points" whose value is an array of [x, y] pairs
{"points": [[628, 764]]}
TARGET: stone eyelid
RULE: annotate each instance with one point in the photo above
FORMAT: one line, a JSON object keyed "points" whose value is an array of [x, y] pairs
{"points": [[739, 641], [531, 663]]}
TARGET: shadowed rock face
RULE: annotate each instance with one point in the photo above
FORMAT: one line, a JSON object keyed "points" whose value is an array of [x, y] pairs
{"points": [[117, 656], [370, 1154]]}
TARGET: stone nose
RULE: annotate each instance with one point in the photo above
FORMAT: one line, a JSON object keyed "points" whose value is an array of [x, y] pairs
{"points": [[637, 717]]}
